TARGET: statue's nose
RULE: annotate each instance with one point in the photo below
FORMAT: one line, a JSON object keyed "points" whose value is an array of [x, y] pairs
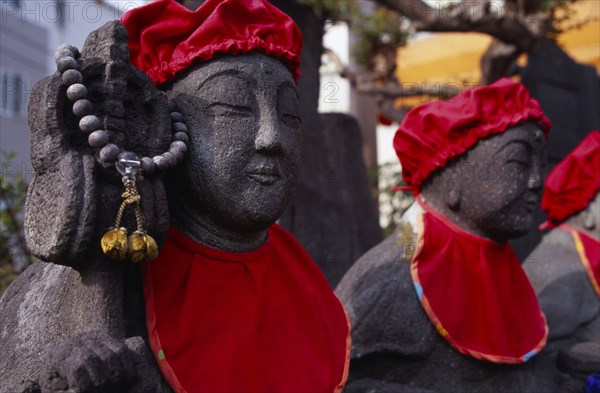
{"points": [[535, 180], [268, 138]]}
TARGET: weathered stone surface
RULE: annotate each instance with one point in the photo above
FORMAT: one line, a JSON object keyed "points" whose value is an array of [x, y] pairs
{"points": [[567, 296], [71, 202], [562, 285], [349, 223], [234, 183], [373, 386], [64, 211], [92, 361], [583, 358], [490, 195], [242, 163], [47, 304], [395, 345]]}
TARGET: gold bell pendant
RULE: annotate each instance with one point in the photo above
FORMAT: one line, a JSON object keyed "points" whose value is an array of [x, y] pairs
{"points": [[115, 243]]}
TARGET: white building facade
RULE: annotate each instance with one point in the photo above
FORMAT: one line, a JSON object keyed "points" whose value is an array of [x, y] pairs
{"points": [[30, 30]]}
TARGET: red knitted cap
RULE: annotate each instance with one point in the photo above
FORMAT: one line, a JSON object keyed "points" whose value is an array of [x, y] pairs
{"points": [[165, 38], [573, 182], [435, 132]]}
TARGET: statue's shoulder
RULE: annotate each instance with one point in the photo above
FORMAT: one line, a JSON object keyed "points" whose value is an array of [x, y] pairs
{"points": [[382, 304], [554, 257], [561, 283]]}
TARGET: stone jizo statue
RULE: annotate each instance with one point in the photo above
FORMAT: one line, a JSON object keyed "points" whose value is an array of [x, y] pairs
{"points": [[443, 304], [181, 126], [565, 268]]}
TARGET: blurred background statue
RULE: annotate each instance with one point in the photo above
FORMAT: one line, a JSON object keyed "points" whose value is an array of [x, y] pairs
{"points": [[443, 304], [565, 268]]}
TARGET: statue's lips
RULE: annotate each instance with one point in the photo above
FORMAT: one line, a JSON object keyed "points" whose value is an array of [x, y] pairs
{"points": [[532, 203], [264, 176]]}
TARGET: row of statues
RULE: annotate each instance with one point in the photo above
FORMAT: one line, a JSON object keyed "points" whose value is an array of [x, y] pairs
{"points": [[443, 304], [182, 127]]}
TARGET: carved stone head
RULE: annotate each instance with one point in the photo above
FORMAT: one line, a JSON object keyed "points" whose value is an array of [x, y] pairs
{"points": [[493, 189], [245, 141], [478, 157], [588, 220]]}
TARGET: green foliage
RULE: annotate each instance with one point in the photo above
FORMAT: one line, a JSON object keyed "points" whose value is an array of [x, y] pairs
{"points": [[7, 274], [14, 256], [333, 9], [378, 33], [561, 14]]}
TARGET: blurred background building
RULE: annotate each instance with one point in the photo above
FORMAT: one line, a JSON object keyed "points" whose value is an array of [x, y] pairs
{"points": [[30, 30]]}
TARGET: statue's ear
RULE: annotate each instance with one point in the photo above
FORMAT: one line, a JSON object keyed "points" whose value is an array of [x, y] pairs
{"points": [[591, 214], [452, 187], [589, 221]]}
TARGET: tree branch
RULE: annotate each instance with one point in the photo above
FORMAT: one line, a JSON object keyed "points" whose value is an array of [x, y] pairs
{"points": [[499, 60], [473, 16], [364, 83], [404, 90]]}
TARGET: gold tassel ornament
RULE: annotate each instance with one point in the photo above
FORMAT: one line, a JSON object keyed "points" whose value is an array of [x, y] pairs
{"points": [[114, 243], [139, 245]]}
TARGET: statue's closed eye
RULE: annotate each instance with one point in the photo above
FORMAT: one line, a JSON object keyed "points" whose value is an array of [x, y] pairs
{"points": [[291, 120], [220, 109]]}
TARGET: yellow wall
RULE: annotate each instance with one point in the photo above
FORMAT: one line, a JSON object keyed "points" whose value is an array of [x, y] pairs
{"points": [[454, 57], [583, 44]]}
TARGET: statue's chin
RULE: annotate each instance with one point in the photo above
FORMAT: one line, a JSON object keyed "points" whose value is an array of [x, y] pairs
{"points": [[255, 221], [509, 233]]}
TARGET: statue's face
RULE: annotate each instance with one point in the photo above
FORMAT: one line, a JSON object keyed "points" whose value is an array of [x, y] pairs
{"points": [[245, 140], [588, 219], [501, 182]]}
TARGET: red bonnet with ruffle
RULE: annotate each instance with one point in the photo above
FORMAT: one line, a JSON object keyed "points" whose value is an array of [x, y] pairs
{"points": [[166, 38], [433, 133], [573, 182]]}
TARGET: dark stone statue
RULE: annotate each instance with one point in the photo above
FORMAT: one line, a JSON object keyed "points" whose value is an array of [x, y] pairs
{"points": [[566, 293], [76, 321], [239, 176], [489, 191]]}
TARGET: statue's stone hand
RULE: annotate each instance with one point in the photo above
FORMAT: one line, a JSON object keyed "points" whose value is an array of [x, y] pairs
{"points": [[90, 362], [148, 378], [72, 189]]}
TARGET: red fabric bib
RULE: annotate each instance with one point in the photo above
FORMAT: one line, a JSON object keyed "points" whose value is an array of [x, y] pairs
{"points": [[258, 321], [476, 293], [588, 250]]}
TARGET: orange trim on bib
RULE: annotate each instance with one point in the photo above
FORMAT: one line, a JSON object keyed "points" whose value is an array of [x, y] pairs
{"points": [[588, 250]]}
